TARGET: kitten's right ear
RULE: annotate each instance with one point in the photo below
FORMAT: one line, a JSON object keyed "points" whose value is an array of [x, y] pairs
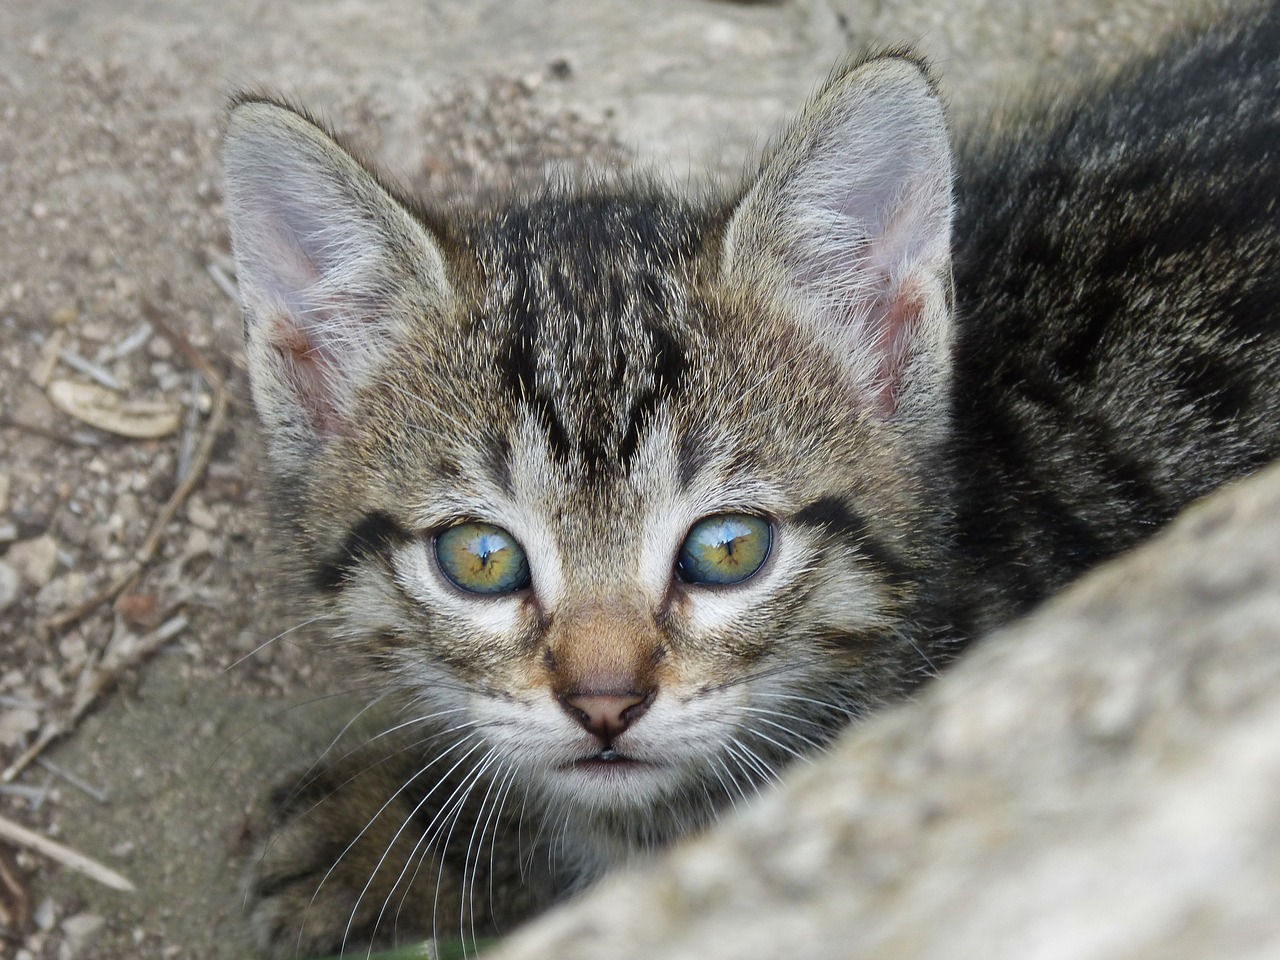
{"points": [[849, 226], [331, 270]]}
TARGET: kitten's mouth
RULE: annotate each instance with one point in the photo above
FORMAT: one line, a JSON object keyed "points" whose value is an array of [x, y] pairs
{"points": [[607, 760]]}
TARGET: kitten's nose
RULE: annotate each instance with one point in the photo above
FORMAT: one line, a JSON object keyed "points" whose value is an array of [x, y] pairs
{"points": [[606, 714]]}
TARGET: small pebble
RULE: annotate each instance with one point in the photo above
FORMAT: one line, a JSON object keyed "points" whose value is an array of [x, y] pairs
{"points": [[128, 510], [45, 914], [64, 316], [10, 586], [35, 560], [200, 515], [96, 331], [74, 529], [72, 647], [62, 594], [198, 545], [79, 932], [15, 725]]}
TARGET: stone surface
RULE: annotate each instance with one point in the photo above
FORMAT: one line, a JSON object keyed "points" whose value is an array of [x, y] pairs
{"points": [[1101, 781], [34, 560], [10, 586]]}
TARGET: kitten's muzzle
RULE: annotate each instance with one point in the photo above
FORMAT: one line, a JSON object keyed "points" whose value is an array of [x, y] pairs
{"points": [[603, 661]]}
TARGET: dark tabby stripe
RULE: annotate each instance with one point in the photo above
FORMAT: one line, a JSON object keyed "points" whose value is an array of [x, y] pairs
{"points": [[374, 535], [843, 521]]}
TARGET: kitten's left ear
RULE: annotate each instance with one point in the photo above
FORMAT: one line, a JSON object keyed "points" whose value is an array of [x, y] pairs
{"points": [[849, 225], [333, 272]]}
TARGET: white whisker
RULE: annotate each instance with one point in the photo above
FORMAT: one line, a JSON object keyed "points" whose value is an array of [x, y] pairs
{"points": [[266, 643], [369, 823]]}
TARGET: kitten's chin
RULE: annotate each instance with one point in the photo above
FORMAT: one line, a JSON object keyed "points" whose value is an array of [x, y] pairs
{"points": [[610, 763], [611, 779]]}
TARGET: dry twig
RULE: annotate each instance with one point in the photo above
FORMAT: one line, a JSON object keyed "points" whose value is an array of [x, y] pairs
{"points": [[71, 440], [94, 679], [93, 371], [16, 833], [223, 281], [15, 901]]}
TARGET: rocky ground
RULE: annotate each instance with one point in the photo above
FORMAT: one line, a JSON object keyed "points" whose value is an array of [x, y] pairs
{"points": [[111, 230]]}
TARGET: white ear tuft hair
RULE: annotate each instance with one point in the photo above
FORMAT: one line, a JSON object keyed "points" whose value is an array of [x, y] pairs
{"points": [[850, 225], [329, 264]]}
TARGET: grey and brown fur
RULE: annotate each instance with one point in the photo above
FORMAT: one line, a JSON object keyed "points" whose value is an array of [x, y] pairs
{"points": [[948, 403]]}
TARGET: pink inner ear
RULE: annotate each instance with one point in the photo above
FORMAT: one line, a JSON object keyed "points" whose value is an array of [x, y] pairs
{"points": [[896, 327], [311, 375]]}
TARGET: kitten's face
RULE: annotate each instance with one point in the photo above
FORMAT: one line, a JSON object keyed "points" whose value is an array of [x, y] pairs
{"points": [[723, 681], [628, 496]]}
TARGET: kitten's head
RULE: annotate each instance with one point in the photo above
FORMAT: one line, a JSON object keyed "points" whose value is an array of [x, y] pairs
{"points": [[635, 495]]}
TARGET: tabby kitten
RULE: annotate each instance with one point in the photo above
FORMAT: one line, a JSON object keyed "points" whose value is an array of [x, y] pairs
{"points": [[628, 500]]}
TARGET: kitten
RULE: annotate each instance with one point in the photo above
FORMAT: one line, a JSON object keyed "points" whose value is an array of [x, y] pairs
{"points": [[628, 500]]}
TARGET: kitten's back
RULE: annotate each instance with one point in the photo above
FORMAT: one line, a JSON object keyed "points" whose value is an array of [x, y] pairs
{"points": [[1118, 349]]}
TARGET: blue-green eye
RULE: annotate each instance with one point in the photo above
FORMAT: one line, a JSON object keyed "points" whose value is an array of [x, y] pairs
{"points": [[724, 548], [482, 558]]}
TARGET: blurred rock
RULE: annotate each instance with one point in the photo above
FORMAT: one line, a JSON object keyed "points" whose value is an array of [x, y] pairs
{"points": [[15, 725], [34, 560], [62, 593], [10, 586], [79, 932], [1101, 780]]}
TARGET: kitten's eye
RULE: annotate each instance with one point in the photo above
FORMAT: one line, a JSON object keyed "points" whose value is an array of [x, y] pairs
{"points": [[724, 548], [482, 558]]}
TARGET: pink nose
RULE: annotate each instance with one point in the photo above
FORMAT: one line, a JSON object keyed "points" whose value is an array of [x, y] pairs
{"points": [[606, 714]]}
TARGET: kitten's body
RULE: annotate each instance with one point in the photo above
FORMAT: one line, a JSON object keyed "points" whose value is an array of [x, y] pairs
{"points": [[594, 372], [1117, 273]]}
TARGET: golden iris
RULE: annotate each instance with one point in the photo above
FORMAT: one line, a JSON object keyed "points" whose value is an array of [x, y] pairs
{"points": [[724, 548], [482, 558]]}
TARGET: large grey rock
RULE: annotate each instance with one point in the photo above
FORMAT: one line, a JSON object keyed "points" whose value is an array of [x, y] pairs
{"points": [[10, 585], [1100, 781]]}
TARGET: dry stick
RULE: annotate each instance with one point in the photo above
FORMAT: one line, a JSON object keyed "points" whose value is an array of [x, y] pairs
{"points": [[47, 433], [15, 901], [180, 343], [20, 835], [154, 538], [91, 685]]}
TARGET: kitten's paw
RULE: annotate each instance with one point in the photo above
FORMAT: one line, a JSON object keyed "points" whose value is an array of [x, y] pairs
{"points": [[342, 870]]}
